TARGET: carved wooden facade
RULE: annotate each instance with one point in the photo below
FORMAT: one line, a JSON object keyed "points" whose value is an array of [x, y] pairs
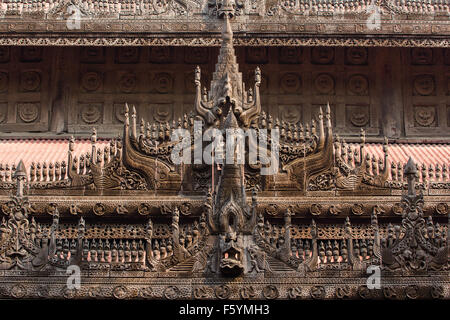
{"points": [[143, 227]]}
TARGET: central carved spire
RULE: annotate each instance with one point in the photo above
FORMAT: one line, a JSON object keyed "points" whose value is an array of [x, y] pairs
{"points": [[227, 89]]}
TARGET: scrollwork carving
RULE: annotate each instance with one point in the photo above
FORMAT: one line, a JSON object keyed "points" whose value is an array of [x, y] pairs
{"points": [[317, 292]]}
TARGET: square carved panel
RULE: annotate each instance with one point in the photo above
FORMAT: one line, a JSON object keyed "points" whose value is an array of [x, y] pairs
{"points": [[322, 55], [357, 85], [422, 56], [290, 55], [256, 55], [425, 116], [291, 83], [162, 82], [291, 113], [161, 54], [127, 55], [357, 115], [424, 85], [92, 55], [324, 84], [90, 113], [356, 56], [91, 81], [30, 81], [162, 112], [197, 55], [28, 112], [127, 82], [31, 54]]}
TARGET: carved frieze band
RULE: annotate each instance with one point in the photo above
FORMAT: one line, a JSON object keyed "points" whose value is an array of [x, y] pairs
{"points": [[275, 41]]}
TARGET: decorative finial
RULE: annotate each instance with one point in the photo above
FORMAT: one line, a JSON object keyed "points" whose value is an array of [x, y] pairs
{"points": [[257, 76], [71, 144], [21, 175], [363, 136], [410, 174], [385, 145], [94, 135]]}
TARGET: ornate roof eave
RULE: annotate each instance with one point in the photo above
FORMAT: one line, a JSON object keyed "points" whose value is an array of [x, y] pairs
{"points": [[138, 23]]}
